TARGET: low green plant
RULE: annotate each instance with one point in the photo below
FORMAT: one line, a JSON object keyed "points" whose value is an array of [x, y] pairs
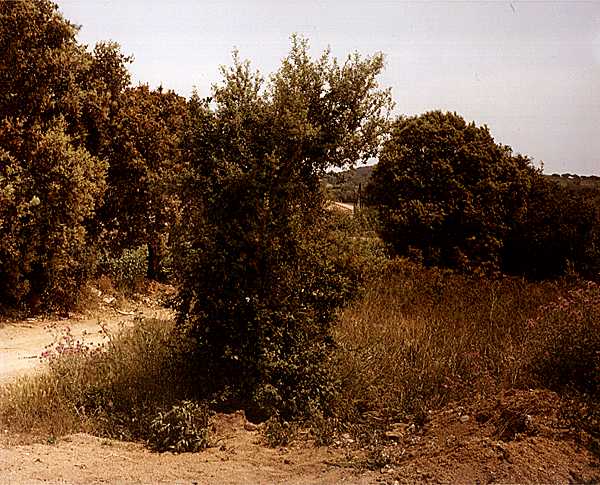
{"points": [[279, 432], [128, 269], [184, 428]]}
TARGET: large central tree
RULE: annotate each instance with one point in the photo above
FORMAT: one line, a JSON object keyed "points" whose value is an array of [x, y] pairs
{"points": [[259, 290]]}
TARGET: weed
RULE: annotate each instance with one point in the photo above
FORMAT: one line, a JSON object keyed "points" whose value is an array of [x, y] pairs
{"points": [[113, 391], [184, 428], [420, 337], [564, 342], [279, 432]]}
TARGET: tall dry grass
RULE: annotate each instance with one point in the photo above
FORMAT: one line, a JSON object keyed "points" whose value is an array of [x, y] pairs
{"points": [[115, 390], [420, 337]]}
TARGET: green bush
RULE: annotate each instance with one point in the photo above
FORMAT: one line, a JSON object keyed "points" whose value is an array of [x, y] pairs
{"points": [[279, 432], [259, 286], [558, 234], [184, 428], [49, 194], [447, 194], [127, 270]]}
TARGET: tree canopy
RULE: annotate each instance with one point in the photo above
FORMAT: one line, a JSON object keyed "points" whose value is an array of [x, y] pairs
{"points": [[258, 290], [447, 193]]}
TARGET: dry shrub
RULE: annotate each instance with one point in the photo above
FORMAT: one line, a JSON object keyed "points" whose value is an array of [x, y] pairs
{"points": [[564, 342], [115, 390], [420, 337]]}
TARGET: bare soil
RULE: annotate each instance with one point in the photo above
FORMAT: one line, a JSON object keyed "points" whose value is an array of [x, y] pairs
{"points": [[516, 437]]}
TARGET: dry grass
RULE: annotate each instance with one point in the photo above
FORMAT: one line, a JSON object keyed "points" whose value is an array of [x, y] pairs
{"points": [[416, 339], [115, 390], [420, 337]]}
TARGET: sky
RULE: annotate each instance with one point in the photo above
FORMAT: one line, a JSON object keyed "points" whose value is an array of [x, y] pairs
{"points": [[529, 70]]}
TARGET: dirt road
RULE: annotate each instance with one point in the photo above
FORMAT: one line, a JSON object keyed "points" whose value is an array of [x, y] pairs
{"points": [[22, 343]]}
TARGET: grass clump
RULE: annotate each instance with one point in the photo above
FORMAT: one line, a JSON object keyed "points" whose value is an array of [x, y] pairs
{"points": [[420, 337], [115, 390], [564, 342]]}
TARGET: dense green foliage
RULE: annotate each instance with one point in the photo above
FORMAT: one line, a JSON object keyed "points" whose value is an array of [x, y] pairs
{"points": [[86, 162], [50, 184], [447, 193], [259, 284], [142, 147], [558, 234]]}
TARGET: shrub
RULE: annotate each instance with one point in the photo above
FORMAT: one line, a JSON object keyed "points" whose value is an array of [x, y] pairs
{"points": [[259, 288], [564, 342], [49, 194], [185, 427], [279, 432], [127, 270], [558, 234]]}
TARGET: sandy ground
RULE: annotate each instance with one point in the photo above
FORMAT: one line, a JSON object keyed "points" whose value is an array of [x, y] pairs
{"points": [[481, 442], [22, 342], [239, 457], [516, 437]]}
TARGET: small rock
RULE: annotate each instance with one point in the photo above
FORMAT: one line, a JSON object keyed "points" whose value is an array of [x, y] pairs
{"points": [[248, 426], [464, 418], [394, 435]]}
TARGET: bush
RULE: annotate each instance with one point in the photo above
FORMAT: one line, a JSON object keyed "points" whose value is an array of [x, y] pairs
{"points": [[259, 287], [48, 196], [447, 193], [558, 234], [564, 342], [185, 428], [127, 270]]}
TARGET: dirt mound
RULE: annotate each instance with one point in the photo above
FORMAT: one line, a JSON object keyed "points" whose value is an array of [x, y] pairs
{"points": [[515, 438]]}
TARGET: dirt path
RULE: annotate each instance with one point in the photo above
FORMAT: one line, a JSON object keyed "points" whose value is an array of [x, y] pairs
{"points": [[22, 343], [238, 458]]}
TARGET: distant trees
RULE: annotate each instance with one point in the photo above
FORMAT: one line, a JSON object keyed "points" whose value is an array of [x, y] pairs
{"points": [[447, 193], [259, 289], [558, 234]]}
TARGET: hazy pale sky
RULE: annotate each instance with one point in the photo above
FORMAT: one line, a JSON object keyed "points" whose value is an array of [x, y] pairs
{"points": [[529, 70]]}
